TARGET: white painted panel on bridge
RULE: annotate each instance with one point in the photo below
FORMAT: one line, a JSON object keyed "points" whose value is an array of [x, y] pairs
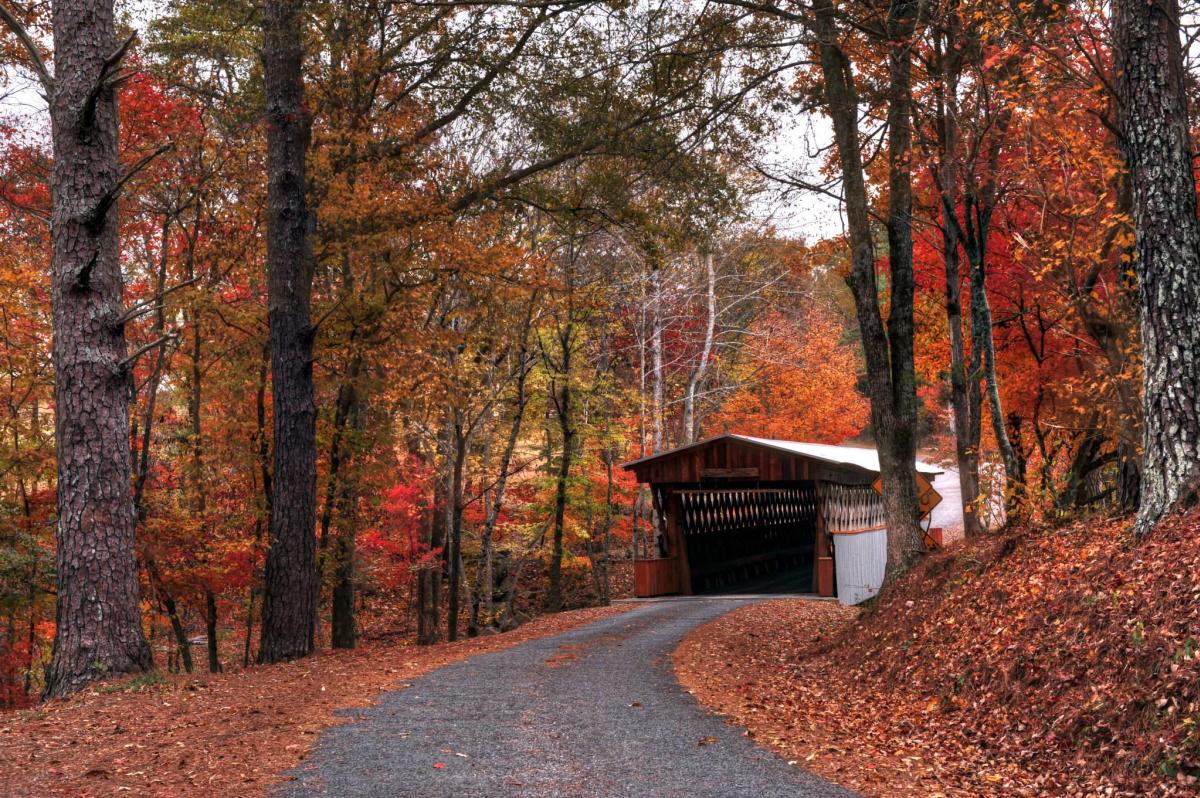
{"points": [[859, 561]]}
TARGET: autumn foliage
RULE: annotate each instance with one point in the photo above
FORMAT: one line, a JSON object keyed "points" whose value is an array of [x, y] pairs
{"points": [[549, 238]]}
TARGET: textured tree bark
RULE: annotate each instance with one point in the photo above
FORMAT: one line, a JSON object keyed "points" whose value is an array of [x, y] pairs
{"points": [[888, 349], [289, 583], [562, 399], [343, 625], [99, 624], [1153, 117]]}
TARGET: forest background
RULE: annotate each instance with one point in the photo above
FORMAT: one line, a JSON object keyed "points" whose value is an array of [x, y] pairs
{"points": [[547, 238]]}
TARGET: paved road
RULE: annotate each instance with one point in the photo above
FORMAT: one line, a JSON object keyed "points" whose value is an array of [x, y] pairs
{"points": [[949, 514], [593, 712]]}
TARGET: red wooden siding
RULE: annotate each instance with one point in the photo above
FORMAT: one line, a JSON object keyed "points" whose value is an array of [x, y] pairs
{"points": [[655, 577], [689, 465]]}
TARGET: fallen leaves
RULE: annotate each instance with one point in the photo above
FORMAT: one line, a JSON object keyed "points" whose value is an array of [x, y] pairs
{"points": [[1047, 663], [218, 735]]}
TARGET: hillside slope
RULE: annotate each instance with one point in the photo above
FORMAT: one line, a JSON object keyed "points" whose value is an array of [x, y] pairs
{"points": [[1045, 662]]}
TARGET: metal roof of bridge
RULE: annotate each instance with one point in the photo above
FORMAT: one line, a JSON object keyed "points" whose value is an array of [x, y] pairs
{"points": [[863, 457]]}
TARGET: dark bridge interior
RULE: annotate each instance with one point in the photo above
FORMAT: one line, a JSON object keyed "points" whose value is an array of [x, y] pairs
{"points": [[757, 539]]}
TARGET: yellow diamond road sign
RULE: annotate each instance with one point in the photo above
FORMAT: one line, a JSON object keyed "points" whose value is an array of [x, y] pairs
{"points": [[927, 497]]}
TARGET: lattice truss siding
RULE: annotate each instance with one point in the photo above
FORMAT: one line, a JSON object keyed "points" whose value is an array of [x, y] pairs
{"points": [[720, 511], [740, 534], [851, 508]]}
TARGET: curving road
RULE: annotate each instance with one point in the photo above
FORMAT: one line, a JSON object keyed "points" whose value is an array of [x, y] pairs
{"points": [[593, 712]]}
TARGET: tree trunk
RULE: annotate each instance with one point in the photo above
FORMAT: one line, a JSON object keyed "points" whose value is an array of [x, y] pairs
{"points": [[172, 610], [98, 617], [562, 406], [888, 349], [460, 439], [429, 577], [484, 579], [966, 412], [249, 617], [696, 377], [210, 630], [1153, 116], [610, 514], [290, 585], [343, 626], [199, 489], [983, 343], [263, 521], [656, 358]]}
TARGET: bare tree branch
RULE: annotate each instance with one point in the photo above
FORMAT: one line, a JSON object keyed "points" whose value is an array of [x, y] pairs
{"points": [[35, 56]]}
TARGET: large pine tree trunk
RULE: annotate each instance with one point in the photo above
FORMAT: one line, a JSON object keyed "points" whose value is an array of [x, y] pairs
{"points": [[1153, 116], [888, 349], [99, 624], [290, 584]]}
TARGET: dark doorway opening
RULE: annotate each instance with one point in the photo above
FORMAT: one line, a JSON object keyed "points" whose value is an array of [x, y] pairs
{"points": [[759, 539]]}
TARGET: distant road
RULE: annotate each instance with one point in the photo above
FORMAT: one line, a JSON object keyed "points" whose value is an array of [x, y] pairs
{"points": [[949, 515]]}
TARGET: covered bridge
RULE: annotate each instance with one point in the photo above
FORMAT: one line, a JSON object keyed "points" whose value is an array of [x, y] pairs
{"points": [[741, 514]]}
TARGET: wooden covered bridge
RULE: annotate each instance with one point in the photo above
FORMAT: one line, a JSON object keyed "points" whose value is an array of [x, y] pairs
{"points": [[737, 514]]}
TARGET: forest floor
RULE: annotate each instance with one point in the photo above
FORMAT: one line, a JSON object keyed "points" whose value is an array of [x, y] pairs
{"points": [[1041, 662], [223, 734]]}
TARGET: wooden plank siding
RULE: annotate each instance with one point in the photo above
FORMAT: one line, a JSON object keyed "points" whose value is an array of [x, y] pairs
{"points": [[688, 466]]}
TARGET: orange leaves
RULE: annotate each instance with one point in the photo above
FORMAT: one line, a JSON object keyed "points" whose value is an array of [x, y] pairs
{"points": [[800, 384], [1059, 662]]}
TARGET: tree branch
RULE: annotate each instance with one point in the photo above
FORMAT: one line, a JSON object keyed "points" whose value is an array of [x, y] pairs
{"points": [[141, 350], [96, 215], [152, 303], [87, 113], [35, 56]]}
